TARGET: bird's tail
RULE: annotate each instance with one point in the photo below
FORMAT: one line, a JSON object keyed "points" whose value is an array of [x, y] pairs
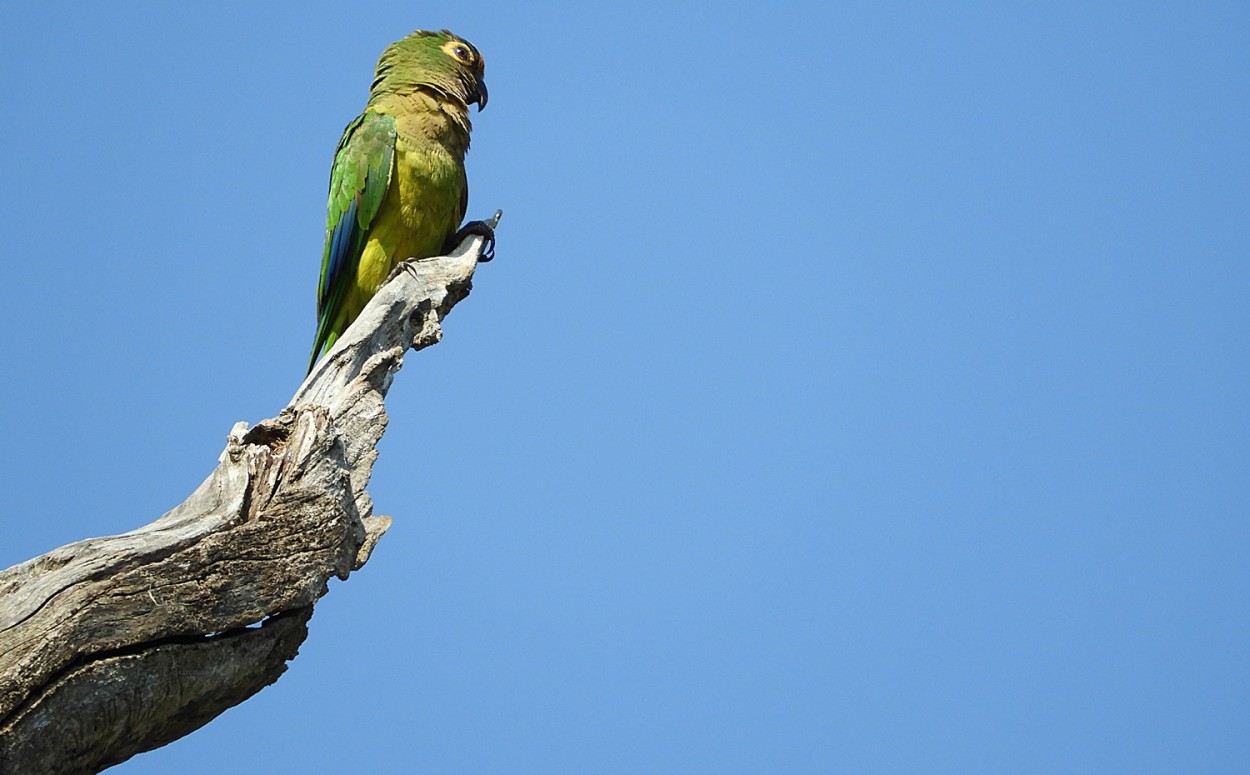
{"points": [[324, 341]]}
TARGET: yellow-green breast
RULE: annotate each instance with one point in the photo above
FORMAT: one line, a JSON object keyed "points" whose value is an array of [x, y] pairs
{"points": [[425, 200]]}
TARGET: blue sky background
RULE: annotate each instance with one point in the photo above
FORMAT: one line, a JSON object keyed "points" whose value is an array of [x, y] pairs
{"points": [[859, 388]]}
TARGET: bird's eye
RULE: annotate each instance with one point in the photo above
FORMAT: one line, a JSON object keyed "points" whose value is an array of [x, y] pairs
{"points": [[461, 52]]}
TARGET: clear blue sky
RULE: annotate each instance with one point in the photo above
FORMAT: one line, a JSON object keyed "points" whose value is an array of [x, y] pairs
{"points": [[858, 388]]}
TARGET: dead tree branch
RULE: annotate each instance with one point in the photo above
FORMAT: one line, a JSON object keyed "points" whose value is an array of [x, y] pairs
{"points": [[114, 646]]}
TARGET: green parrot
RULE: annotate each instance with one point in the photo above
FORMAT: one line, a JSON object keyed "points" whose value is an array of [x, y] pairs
{"points": [[398, 188]]}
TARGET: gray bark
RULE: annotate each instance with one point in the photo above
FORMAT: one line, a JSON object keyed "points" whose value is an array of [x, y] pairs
{"points": [[114, 646]]}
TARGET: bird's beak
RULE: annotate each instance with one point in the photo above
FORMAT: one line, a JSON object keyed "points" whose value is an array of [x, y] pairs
{"points": [[480, 94]]}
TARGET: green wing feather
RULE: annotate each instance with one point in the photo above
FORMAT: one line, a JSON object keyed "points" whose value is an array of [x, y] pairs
{"points": [[363, 165]]}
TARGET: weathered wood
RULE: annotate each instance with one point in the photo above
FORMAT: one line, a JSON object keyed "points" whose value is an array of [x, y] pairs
{"points": [[117, 645]]}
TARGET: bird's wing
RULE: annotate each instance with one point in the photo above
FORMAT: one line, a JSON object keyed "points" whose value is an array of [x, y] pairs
{"points": [[361, 174]]}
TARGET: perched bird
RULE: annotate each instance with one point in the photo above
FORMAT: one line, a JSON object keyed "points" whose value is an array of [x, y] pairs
{"points": [[398, 188]]}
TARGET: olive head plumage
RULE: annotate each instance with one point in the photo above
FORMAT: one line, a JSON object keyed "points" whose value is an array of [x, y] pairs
{"points": [[441, 61]]}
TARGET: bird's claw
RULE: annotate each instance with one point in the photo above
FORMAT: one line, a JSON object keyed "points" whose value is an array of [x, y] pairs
{"points": [[399, 269], [479, 229]]}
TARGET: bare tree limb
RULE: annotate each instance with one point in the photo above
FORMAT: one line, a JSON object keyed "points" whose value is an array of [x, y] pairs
{"points": [[117, 645]]}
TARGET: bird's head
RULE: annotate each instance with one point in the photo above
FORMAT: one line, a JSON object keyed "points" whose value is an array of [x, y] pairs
{"points": [[442, 61]]}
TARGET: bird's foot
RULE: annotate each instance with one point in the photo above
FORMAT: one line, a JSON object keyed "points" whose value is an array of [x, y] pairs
{"points": [[480, 229], [400, 268]]}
